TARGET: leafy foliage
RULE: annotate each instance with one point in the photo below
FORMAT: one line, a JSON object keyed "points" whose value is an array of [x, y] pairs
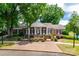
{"points": [[73, 24], [52, 14], [8, 13], [65, 32], [31, 12]]}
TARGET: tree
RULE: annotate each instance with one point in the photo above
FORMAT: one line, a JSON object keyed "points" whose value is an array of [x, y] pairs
{"points": [[2, 28], [52, 14], [31, 12], [73, 24], [9, 14]]}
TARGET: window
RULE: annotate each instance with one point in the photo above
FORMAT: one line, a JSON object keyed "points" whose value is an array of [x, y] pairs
{"points": [[26, 31], [32, 30], [21, 32], [59, 32], [49, 30], [15, 31], [43, 30]]}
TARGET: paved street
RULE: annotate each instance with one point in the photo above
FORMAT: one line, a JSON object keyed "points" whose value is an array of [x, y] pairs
{"points": [[29, 53]]}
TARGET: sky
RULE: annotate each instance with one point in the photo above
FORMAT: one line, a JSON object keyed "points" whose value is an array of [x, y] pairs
{"points": [[68, 9]]}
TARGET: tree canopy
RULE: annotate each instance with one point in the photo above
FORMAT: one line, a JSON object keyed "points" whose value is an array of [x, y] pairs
{"points": [[9, 15], [52, 14], [73, 24], [31, 12]]}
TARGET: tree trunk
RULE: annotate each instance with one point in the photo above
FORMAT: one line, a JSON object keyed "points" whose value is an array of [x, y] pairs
{"points": [[11, 28], [28, 32], [11, 32], [2, 36], [2, 40]]}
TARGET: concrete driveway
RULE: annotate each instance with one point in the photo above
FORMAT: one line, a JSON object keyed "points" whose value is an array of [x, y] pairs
{"points": [[35, 46]]}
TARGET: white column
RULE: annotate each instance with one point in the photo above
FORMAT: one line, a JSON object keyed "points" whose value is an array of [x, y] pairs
{"points": [[40, 31], [60, 31], [35, 30], [46, 31]]}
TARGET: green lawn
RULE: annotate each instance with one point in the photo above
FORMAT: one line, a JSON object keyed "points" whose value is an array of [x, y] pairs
{"points": [[69, 49], [68, 41], [7, 43]]}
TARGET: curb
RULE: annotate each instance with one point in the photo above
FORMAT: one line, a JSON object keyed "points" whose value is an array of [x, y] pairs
{"points": [[37, 51]]}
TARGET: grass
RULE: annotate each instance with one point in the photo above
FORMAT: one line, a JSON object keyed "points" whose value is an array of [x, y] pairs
{"points": [[6, 43], [69, 49], [68, 41]]}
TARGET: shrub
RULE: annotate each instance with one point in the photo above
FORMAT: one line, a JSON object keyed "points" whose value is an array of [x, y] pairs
{"points": [[43, 40], [65, 32], [14, 38], [56, 39], [18, 38], [68, 37]]}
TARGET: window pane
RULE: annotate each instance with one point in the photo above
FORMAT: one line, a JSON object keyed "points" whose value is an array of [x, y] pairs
{"points": [[32, 30], [43, 30]]}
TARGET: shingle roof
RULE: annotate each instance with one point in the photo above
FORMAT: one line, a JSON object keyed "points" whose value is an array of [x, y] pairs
{"points": [[49, 25], [58, 27], [38, 24]]}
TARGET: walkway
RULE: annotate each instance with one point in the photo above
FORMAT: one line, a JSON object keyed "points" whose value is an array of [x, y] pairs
{"points": [[35, 46], [66, 43]]}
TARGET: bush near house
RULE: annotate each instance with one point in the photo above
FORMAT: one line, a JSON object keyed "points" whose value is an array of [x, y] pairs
{"points": [[65, 32]]}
